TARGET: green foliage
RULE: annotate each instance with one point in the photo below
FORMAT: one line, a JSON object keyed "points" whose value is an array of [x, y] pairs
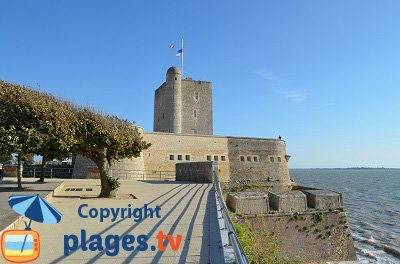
{"points": [[98, 133], [34, 122], [114, 183], [261, 247], [39, 123], [319, 217], [5, 157]]}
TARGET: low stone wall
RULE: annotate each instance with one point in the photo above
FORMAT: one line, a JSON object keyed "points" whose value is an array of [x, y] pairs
{"points": [[284, 202], [196, 171], [291, 201], [309, 237], [248, 202], [322, 199]]}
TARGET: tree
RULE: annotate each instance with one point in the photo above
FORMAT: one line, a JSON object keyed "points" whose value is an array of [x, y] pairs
{"points": [[106, 139], [17, 138], [18, 123], [5, 157], [57, 129], [35, 123], [38, 123]]}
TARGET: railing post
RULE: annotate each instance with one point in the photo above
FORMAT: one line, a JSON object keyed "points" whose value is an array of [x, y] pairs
{"points": [[51, 173], [160, 175], [34, 172]]}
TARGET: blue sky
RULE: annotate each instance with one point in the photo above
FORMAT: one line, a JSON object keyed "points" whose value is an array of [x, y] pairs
{"points": [[322, 74]]}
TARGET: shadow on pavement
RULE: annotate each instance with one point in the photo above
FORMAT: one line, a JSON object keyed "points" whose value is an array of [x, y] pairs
{"points": [[129, 258], [61, 258]]}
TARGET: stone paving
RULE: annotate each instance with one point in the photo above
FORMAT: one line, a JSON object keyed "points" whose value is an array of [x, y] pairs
{"points": [[187, 209], [8, 187]]}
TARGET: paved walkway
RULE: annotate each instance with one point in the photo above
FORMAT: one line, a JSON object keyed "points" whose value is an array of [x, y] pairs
{"points": [[9, 187], [186, 208]]}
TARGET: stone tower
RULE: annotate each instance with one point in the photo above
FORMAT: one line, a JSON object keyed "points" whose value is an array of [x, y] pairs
{"points": [[183, 106]]}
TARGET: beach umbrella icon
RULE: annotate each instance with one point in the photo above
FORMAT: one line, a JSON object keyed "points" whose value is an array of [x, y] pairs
{"points": [[35, 208]]}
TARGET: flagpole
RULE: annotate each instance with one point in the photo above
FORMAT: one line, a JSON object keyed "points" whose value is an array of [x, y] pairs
{"points": [[182, 58]]}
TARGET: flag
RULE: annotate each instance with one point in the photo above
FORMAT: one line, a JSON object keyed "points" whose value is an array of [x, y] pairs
{"points": [[171, 46], [179, 53]]}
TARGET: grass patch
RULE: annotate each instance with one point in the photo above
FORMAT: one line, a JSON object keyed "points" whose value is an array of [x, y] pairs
{"points": [[319, 217], [261, 247]]}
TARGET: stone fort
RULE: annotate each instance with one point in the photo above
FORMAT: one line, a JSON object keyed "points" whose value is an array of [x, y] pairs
{"points": [[183, 132], [311, 222]]}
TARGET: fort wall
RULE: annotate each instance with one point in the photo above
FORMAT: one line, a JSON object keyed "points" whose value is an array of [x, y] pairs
{"points": [[258, 163], [241, 161], [168, 149]]}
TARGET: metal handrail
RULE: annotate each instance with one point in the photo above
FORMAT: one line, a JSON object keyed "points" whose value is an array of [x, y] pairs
{"points": [[240, 255], [143, 174]]}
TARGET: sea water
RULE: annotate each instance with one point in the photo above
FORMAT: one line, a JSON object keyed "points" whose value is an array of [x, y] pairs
{"points": [[372, 200]]}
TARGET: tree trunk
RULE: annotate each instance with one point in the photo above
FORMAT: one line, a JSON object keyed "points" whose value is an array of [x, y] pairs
{"points": [[20, 165], [43, 172], [105, 172]]}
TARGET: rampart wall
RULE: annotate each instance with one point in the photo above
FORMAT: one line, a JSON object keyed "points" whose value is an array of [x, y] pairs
{"points": [[241, 161]]}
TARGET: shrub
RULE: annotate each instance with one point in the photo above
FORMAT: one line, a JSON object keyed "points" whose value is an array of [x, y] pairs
{"points": [[319, 217], [114, 183], [260, 246]]}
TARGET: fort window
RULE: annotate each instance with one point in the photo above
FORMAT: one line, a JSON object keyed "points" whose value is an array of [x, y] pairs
{"points": [[187, 157], [249, 159], [216, 158], [222, 158], [196, 96], [241, 158], [179, 157], [208, 157], [271, 159], [171, 157], [279, 159], [176, 78], [194, 113], [255, 159]]}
